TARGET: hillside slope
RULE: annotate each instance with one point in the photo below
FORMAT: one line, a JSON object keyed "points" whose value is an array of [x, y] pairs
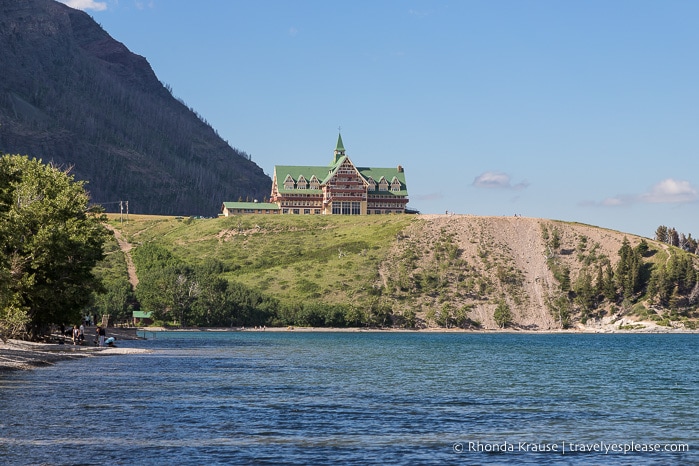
{"points": [[72, 95], [494, 257], [427, 270]]}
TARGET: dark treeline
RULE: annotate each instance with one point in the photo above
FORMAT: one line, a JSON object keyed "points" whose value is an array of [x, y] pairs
{"points": [[680, 240]]}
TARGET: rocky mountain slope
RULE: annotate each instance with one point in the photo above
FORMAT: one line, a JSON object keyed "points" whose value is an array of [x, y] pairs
{"points": [[469, 264], [72, 95]]}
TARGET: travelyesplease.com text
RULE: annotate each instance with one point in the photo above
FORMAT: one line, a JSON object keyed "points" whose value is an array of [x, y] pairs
{"points": [[568, 447]]}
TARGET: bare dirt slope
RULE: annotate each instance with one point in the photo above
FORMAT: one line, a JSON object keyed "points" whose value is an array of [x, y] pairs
{"points": [[126, 247], [473, 261]]}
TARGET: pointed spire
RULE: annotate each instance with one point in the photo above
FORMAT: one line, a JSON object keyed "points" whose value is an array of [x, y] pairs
{"points": [[339, 149]]}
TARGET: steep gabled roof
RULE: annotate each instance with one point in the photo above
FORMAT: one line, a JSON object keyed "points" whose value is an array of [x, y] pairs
{"points": [[388, 173], [294, 171], [324, 173]]}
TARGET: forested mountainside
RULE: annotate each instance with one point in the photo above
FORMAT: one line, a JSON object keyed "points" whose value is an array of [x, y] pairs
{"points": [[72, 95]]}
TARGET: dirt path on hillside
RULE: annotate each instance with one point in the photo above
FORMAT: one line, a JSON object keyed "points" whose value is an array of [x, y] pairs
{"points": [[126, 247]]}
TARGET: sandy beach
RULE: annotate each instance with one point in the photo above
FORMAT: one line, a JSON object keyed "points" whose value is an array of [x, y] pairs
{"points": [[24, 355]]}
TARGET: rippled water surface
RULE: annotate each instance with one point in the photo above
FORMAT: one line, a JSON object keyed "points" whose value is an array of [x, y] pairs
{"points": [[361, 398]]}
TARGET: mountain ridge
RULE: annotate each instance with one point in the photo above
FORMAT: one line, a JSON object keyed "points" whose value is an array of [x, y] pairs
{"points": [[73, 96]]}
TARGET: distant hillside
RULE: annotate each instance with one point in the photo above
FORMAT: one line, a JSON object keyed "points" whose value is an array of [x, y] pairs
{"points": [[440, 270], [72, 95]]}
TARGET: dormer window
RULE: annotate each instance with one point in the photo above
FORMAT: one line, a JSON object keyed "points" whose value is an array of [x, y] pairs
{"points": [[301, 182], [395, 184], [315, 184], [372, 184], [383, 184], [288, 182]]}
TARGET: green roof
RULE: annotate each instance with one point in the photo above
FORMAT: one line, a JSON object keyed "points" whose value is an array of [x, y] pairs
{"points": [[251, 205], [295, 171], [323, 173], [339, 147], [388, 173]]}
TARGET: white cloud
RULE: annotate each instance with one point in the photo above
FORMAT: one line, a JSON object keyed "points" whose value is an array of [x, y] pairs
{"points": [[86, 5], [497, 180], [613, 201], [668, 191], [671, 191]]}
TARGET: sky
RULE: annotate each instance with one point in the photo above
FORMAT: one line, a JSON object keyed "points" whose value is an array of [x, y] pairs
{"points": [[584, 111]]}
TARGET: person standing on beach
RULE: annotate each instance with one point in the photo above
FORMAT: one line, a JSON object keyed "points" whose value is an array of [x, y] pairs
{"points": [[101, 333]]}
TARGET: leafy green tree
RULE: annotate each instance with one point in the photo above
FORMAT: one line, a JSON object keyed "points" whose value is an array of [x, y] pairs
{"points": [[409, 318], [661, 234], [212, 307], [559, 306], [461, 315], [49, 244], [608, 285], [629, 274], [502, 314], [564, 278], [584, 293], [444, 319], [674, 237]]}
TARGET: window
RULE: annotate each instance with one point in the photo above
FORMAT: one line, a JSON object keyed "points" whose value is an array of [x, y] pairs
{"points": [[295, 211], [372, 184], [288, 182], [395, 184], [356, 208], [383, 184], [301, 182], [307, 211], [315, 184]]}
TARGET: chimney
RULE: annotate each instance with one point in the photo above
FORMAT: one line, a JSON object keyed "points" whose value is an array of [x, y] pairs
{"points": [[400, 168]]}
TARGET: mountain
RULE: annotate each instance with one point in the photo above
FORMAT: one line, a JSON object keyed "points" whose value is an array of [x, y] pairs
{"points": [[72, 95]]}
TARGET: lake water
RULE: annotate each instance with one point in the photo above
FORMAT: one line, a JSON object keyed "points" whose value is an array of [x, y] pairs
{"points": [[362, 398]]}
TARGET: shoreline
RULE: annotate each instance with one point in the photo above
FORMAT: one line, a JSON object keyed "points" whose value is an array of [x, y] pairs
{"points": [[17, 355], [653, 329]]}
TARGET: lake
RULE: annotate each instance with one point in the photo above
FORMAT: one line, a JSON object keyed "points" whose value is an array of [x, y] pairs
{"points": [[294, 397]]}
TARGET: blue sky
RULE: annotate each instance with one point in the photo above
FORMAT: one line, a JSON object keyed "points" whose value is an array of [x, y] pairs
{"points": [[582, 111]]}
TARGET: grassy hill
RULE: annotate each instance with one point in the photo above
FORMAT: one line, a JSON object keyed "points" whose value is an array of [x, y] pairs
{"points": [[332, 259], [430, 270]]}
